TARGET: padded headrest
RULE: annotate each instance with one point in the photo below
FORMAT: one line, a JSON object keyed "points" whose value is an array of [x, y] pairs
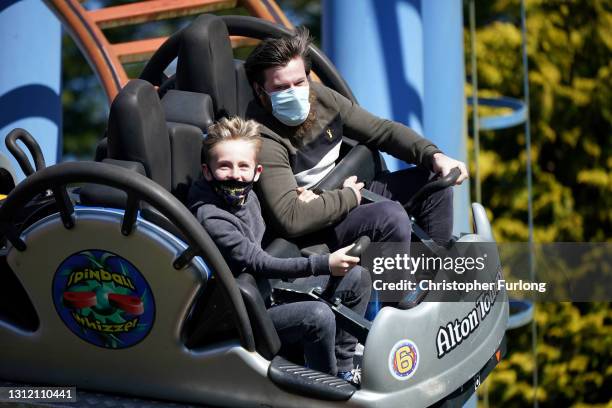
{"points": [[186, 146], [137, 130], [188, 107], [244, 91], [205, 63]]}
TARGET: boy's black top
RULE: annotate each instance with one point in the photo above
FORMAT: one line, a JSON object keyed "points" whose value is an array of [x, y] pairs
{"points": [[238, 233]]}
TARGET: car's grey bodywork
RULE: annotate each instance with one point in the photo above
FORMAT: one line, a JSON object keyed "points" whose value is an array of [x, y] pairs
{"points": [[223, 374]]}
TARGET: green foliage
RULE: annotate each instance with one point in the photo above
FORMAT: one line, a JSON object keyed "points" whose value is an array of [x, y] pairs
{"points": [[570, 73], [569, 44], [84, 104], [574, 360]]}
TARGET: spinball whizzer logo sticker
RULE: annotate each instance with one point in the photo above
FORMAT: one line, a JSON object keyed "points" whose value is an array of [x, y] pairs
{"points": [[403, 360], [103, 299]]}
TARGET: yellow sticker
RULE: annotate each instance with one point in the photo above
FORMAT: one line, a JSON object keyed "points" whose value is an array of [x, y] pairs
{"points": [[403, 360]]}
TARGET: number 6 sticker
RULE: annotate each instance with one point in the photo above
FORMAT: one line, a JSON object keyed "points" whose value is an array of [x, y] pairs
{"points": [[403, 359]]}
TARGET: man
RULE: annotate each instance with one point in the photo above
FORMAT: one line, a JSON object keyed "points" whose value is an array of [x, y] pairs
{"points": [[303, 123]]}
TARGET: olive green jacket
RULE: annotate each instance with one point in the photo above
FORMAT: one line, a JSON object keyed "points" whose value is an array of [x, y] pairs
{"points": [[336, 116]]}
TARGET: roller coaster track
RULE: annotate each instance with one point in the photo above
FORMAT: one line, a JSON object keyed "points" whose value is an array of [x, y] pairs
{"points": [[107, 59]]}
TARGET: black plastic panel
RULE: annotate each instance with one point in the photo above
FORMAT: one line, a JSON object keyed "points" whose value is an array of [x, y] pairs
{"points": [[304, 381]]}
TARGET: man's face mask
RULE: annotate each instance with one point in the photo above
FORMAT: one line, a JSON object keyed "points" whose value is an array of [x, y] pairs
{"points": [[291, 106], [234, 192]]}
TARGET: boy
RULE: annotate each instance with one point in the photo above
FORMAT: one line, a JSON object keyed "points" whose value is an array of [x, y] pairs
{"points": [[226, 206]]}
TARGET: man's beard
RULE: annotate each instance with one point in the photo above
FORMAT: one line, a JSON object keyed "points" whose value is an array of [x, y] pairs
{"points": [[299, 135]]}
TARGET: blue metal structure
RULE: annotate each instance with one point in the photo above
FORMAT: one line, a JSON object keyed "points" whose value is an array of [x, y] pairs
{"points": [[404, 61], [30, 75]]}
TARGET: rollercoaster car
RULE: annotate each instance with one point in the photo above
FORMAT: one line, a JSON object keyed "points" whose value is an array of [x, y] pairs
{"points": [[108, 283]]}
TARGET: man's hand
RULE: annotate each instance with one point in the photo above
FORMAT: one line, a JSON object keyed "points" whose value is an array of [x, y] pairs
{"points": [[306, 195], [352, 183], [340, 263], [442, 165]]}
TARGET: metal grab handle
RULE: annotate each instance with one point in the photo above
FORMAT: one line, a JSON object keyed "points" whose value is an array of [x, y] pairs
{"points": [[19, 154], [430, 188], [138, 188], [360, 246]]}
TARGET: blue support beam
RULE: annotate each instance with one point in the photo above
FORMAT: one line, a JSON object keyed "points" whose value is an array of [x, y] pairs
{"points": [[403, 60], [30, 75]]}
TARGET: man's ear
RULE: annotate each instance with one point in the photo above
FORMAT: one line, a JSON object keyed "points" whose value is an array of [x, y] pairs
{"points": [[258, 89], [261, 93], [258, 170], [206, 172], [262, 96]]}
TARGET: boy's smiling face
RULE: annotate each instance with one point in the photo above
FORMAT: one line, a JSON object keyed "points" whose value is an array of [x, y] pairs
{"points": [[232, 160]]}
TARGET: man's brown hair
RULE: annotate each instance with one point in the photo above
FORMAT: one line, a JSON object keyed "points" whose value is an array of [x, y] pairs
{"points": [[277, 52], [234, 128]]}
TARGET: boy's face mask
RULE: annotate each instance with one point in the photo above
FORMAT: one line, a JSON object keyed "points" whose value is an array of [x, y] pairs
{"points": [[291, 106], [233, 192]]}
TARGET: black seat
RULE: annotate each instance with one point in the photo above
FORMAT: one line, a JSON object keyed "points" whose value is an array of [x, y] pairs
{"points": [[169, 154], [140, 139], [244, 91], [190, 108], [206, 64], [136, 138], [137, 131]]}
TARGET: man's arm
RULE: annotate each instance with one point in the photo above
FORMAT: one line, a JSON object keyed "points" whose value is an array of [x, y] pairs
{"points": [[382, 134], [242, 253], [277, 192]]}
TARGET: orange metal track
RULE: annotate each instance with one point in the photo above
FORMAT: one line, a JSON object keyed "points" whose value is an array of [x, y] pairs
{"points": [[106, 59]]}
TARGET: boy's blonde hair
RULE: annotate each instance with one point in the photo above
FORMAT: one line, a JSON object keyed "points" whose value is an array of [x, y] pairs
{"points": [[234, 128]]}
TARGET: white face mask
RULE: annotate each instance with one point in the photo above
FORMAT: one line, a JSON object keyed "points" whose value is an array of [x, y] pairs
{"points": [[291, 106]]}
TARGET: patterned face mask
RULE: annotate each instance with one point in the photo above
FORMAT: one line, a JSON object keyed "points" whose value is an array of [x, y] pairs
{"points": [[234, 192]]}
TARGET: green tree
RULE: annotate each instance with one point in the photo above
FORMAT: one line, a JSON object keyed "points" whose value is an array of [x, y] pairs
{"points": [[570, 75]]}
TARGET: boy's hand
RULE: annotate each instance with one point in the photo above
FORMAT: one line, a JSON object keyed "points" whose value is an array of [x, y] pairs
{"points": [[340, 263], [306, 195], [356, 186]]}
